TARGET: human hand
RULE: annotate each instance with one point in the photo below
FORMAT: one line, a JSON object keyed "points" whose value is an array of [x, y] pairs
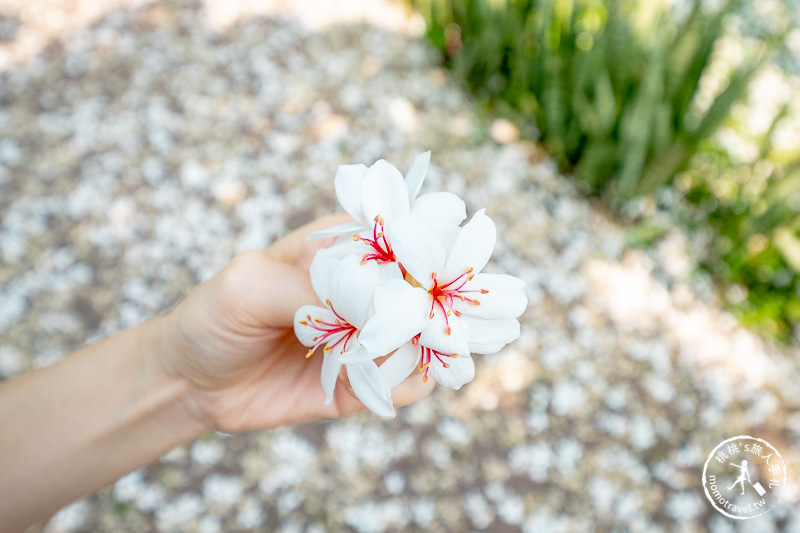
{"points": [[232, 341]]}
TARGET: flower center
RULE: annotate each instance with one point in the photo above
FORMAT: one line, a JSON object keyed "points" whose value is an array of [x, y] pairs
{"points": [[381, 250], [331, 334], [445, 295], [426, 355]]}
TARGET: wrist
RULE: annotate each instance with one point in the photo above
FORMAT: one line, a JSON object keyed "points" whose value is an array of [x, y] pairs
{"points": [[72, 427], [173, 395]]}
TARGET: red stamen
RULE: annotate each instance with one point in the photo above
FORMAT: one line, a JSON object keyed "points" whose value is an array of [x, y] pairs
{"points": [[331, 334], [446, 294], [381, 250], [427, 355]]}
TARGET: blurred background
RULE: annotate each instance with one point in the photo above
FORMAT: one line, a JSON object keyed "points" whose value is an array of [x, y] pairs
{"points": [[641, 160]]}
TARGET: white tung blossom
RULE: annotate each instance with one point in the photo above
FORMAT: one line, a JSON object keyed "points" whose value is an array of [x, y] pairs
{"points": [[378, 195], [346, 286], [408, 285]]}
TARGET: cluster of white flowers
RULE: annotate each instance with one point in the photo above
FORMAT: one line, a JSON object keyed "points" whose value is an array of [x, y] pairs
{"points": [[404, 280]]}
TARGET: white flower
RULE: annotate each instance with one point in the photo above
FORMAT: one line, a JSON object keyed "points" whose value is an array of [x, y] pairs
{"points": [[408, 285], [449, 369], [347, 288], [378, 195], [444, 298]]}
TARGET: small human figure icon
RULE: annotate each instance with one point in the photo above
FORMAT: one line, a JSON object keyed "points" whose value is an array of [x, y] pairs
{"points": [[744, 475]]}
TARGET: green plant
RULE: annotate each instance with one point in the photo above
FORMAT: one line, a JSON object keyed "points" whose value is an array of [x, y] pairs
{"points": [[612, 86], [628, 96], [753, 212]]}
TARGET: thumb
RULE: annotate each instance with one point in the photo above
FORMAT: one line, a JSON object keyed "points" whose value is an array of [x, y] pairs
{"points": [[268, 292], [412, 390]]}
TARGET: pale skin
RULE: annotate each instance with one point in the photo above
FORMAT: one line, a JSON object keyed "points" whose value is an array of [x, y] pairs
{"points": [[225, 359]]}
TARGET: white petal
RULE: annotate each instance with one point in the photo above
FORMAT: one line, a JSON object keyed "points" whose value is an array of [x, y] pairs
{"points": [[440, 208], [435, 336], [416, 248], [348, 228], [356, 356], [506, 297], [401, 312], [305, 333], [348, 184], [352, 288], [384, 192], [489, 336], [472, 248], [442, 213], [446, 234], [400, 364], [461, 370], [416, 174], [330, 374], [321, 272], [371, 388], [389, 272], [345, 246]]}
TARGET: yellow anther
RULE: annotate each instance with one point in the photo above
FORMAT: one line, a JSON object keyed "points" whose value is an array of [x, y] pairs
{"points": [[328, 302], [327, 349], [356, 237], [308, 354], [303, 323], [476, 302], [445, 365], [470, 270], [318, 320], [430, 315], [484, 291], [447, 330]]}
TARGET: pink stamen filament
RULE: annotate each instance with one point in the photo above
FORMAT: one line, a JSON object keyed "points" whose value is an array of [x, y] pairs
{"points": [[381, 249], [426, 357], [445, 295], [331, 334]]}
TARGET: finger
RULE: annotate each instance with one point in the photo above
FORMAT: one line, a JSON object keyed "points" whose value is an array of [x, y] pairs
{"points": [[290, 288], [267, 291], [295, 248], [412, 390]]}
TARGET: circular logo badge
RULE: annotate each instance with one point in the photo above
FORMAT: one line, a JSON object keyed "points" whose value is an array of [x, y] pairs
{"points": [[743, 476]]}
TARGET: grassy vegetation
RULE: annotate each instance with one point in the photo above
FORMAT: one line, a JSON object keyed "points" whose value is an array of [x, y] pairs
{"points": [[754, 218], [628, 96]]}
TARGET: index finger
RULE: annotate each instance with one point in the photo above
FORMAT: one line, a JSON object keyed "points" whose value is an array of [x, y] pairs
{"points": [[295, 249]]}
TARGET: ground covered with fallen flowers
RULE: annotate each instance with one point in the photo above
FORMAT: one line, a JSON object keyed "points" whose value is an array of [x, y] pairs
{"points": [[143, 144]]}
